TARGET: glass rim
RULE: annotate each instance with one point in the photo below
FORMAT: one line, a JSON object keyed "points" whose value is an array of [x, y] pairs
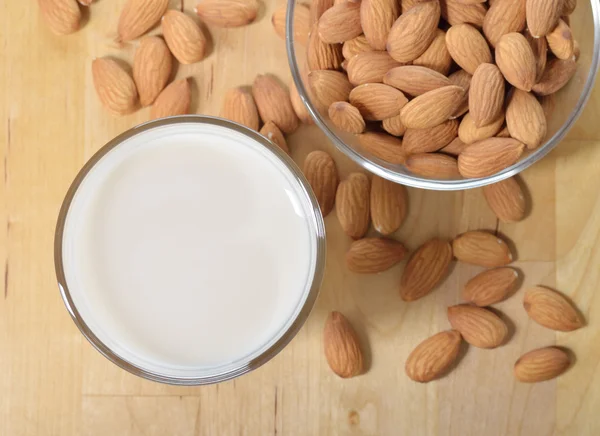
{"points": [[317, 231], [444, 185]]}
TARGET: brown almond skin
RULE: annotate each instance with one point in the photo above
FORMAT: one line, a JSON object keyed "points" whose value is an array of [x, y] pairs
{"points": [[455, 13], [433, 165], [174, 100], [62, 16], [413, 31], [352, 205], [436, 57], [342, 347], [227, 13], [394, 126], [432, 108], [489, 156], [383, 146], [491, 286], [318, 8], [463, 79], [429, 140], [432, 358], [298, 105], [355, 46], [505, 16], [377, 18], [151, 68], [551, 309], [525, 119], [389, 204], [302, 22], [322, 56], [185, 38], [560, 41], [515, 59], [376, 101], [340, 23], [139, 16], [481, 248], [426, 268], [486, 94], [468, 47], [541, 364], [374, 255], [273, 102], [478, 326], [273, 134], [542, 16], [455, 148], [469, 133], [557, 74], [346, 117], [239, 106], [539, 46], [114, 86], [370, 67], [506, 199], [415, 80], [328, 87], [322, 175]]}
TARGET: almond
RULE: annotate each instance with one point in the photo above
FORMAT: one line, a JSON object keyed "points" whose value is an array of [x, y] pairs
{"points": [[560, 41], [273, 102], [504, 16], [539, 46], [481, 248], [394, 126], [342, 348], [376, 101], [413, 31], [551, 309], [557, 74], [318, 7], [433, 357], [174, 100], [468, 47], [354, 46], [478, 326], [238, 106], [322, 175], [489, 156], [298, 105], [340, 23], [506, 199], [321, 56], [425, 269], [374, 255], [432, 108], [455, 13], [376, 19], [486, 94], [273, 134], [548, 103], [541, 364], [515, 59], [329, 86], [415, 80], [455, 148], [114, 86], [85, 2], [568, 7], [62, 16], [352, 205], [388, 205], [406, 4], [433, 165], [491, 286], [346, 117], [184, 38], [463, 79], [302, 22], [139, 16], [151, 68], [227, 13], [542, 16], [369, 67], [503, 133], [437, 57], [383, 146], [469, 133], [525, 119], [432, 139]]}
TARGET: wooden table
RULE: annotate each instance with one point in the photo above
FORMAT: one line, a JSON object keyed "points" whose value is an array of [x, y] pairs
{"points": [[52, 382]]}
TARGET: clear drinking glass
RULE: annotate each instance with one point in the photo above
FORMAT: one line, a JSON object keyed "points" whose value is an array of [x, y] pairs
{"points": [[570, 100]]}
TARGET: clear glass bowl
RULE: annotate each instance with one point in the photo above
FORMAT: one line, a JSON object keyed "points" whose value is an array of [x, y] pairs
{"points": [[570, 100]]}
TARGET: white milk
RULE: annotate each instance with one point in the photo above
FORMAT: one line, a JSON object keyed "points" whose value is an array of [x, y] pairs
{"points": [[189, 248]]}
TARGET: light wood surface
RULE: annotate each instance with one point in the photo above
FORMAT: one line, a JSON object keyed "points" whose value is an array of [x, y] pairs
{"points": [[52, 382]]}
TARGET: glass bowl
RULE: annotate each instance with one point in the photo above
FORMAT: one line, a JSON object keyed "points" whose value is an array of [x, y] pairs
{"points": [[569, 103]]}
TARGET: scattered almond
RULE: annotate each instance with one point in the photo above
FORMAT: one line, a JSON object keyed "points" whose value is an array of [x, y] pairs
{"points": [[340, 23], [489, 156], [151, 68], [415, 80], [433, 165], [369, 67], [298, 105], [431, 139], [238, 106], [388, 205], [114, 86], [273, 134], [436, 57], [433, 357], [560, 41], [139, 16], [342, 348], [425, 269], [542, 16], [486, 94], [541, 365], [376, 19], [551, 309], [515, 59], [302, 22], [383, 146], [468, 47], [346, 117], [478, 326], [374, 255], [506, 199], [175, 99], [491, 286], [62, 16], [481, 248], [432, 108], [525, 119], [273, 102], [376, 101], [322, 175], [183, 36], [227, 13], [352, 205]]}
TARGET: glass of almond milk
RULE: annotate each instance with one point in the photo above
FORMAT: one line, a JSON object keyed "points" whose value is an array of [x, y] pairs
{"points": [[189, 250]]}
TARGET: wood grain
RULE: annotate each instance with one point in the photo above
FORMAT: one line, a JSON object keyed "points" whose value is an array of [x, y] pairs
{"points": [[52, 382]]}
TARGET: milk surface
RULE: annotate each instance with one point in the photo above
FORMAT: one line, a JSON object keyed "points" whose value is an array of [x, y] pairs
{"points": [[189, 248]]}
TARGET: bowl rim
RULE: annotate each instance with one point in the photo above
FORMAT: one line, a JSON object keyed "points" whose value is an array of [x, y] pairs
{"points": [[444, 185]]}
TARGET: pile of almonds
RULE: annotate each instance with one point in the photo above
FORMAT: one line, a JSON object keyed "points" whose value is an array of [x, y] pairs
{"points": [[448, 88], [417, 100]]}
